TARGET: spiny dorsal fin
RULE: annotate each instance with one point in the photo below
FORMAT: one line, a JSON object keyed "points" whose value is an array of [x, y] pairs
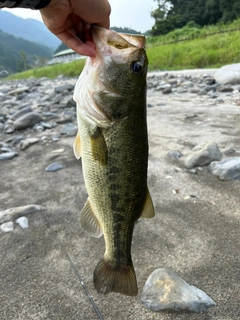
{"points": [[77, 148], [148, 209], [89, 221]]}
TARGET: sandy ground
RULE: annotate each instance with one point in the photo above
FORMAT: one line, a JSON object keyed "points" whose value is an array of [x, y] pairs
{"points": [[44, 270]]}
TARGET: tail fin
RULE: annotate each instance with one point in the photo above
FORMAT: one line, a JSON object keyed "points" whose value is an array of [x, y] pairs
{"points": [[108, 279]]}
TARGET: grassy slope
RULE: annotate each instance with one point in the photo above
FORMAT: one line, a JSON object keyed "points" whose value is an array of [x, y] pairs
{"points": [[204, 52], [210, 52]]}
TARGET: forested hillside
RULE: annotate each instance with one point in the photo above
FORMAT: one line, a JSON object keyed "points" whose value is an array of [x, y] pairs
{"points": [[28, 29], [172, 14], [17, 54]]}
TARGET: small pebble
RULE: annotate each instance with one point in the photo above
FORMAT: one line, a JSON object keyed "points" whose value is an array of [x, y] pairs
{"points": [[23, 222], [55, 166], [7, 226]]}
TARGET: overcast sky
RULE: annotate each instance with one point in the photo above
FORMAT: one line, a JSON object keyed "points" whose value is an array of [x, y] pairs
{"points": [[134, 14]]}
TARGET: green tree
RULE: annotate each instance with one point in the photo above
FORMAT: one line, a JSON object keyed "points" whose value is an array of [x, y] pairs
{"points": [[230, 10], [23, 58], [164, 22], [172, 14]]}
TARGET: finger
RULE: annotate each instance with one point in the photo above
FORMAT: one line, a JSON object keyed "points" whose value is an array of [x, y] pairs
{"points": [[73, 42], [105, 23]]}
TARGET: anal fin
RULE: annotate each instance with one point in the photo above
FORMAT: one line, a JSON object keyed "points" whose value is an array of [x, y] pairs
{"points": [[148, 208], [89, 221]]}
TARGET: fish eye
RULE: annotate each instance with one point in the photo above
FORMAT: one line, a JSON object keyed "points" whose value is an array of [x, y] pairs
{"points": [[136, 66]]}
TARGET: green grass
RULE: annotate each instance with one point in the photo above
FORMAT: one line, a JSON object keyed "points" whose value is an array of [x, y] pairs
{"points": [[210, 52], [202, 52], [189, 32], [71, 69]]}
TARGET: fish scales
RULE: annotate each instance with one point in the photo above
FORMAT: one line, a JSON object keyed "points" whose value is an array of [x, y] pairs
{"points": [[114, 153]]}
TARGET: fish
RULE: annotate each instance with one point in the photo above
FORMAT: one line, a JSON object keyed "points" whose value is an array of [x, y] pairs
{"points": [[112, 142]]}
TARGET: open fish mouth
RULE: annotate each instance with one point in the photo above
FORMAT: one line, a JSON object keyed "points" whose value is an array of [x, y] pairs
{"points": [[111, 48], [109, 42]]}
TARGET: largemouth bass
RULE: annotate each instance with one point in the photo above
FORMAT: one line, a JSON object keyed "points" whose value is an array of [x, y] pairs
{"points": [[112, 141]]}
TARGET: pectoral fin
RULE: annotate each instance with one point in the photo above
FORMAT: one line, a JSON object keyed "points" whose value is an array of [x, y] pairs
{"points": [[77, 149], [99, 148], [148, 209], [89, 221]]}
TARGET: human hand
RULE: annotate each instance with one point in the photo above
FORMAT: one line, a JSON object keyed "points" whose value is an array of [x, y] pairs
{"points": [[70, 21]]}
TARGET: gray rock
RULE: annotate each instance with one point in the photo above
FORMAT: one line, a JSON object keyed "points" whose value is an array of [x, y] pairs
{"points": [[50, 114], [229, 151], [219, 101], [6, 149], [64, 120], [18, 90], [67, 87], [194, 90], [149, 105], [20, 113], [2, 126], [38, 128], [225, 88], [8, 155], [27, 120], [174, 154], [213, 95], [192, 171], [163, 86], [188, 84], [190, 116], [46, 125], [9, 128], [71, 103], [15, 212], [167, 90], [182, 90], [17, 139], [172, 82], [28, 142], [7, 227], [55, 166], [68, 127], [72, 132], [4, 144], [227, 169], [209, 81], [229, 74], [203, 154], [23, 222], [164, 289], [202, 92], [55, 138]]}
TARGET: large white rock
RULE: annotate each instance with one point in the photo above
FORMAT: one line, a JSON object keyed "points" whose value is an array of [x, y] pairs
{"points": [[229, 74], [164, 289]]}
